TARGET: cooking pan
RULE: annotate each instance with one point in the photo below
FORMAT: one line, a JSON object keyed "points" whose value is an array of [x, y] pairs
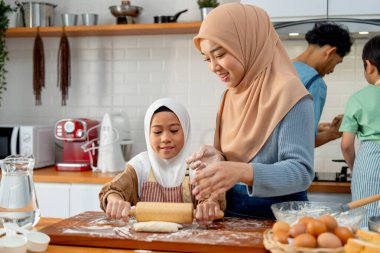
{"points": [[168, 19], [33, 14]]}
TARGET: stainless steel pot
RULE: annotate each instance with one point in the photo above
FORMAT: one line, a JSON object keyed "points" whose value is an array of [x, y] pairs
{"points": [[33, 14]]}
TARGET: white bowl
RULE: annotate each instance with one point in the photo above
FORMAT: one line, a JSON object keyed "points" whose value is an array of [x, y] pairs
{"points": [[37, 241], [13, 244]]}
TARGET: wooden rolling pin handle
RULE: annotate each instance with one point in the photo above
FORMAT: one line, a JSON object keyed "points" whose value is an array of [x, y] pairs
{"points": [[362, 202], [132, 211]]}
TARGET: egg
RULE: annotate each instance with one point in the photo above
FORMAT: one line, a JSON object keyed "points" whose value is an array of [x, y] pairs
{"points": [[328, 240], [344, 233], [305, 220], [305, 241], [280, 236], [297, 229], [280, 225], [316, 227], [329, 221]]}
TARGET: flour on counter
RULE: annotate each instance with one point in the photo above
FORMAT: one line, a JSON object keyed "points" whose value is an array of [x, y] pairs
{"points": [[229, 231]]}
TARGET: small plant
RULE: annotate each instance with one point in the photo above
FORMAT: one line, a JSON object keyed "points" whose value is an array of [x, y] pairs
{"points": [[4, 22], [207, 3]]}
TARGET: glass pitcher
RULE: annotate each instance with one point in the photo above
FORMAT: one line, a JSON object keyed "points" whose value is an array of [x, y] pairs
{"points": [[18, 201]]}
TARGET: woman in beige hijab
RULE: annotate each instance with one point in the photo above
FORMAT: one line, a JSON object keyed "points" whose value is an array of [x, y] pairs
{"points": [[264, 141]]}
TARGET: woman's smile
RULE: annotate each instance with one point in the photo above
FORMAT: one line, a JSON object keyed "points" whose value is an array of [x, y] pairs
{"points": [[224, 77]]}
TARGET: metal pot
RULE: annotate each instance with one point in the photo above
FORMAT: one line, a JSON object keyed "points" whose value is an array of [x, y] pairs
{"points": [[33, 14], [125, 9], [125, 13]]}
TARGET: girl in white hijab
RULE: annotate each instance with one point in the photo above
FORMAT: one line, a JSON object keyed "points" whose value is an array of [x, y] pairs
{"points": [[159, 174]]}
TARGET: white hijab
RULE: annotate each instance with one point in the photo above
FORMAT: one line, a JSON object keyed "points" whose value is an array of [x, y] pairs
{"points": [[168, 172]]}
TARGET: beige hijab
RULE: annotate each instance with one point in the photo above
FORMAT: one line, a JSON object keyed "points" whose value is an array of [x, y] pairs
{"points": [[250, 111]]}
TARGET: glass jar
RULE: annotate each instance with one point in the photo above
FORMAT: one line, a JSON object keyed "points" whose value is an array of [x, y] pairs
{"points": [[18, 201]]}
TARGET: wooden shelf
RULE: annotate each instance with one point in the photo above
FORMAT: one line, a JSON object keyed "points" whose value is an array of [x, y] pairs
{"points": [[106, 30]]}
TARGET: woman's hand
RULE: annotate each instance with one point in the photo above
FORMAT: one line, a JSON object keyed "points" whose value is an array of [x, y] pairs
{"points": [[117, 208], [205, 155], [208, 211], [217, 178]]}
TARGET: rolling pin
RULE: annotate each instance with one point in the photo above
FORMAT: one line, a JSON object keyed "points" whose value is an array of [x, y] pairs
{"points": [[182, 213]]}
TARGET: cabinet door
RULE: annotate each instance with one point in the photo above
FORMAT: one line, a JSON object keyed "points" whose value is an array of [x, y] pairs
{"points": [[354, 8], [84, 197], [53, 199], [291, 10]]}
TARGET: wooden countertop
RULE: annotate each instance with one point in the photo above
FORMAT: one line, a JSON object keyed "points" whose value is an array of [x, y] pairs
{"points": [[50, 175], [44, 222], [90, 231]]}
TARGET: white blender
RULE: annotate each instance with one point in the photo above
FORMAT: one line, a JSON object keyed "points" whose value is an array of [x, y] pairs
{"points": [[114, 143]]}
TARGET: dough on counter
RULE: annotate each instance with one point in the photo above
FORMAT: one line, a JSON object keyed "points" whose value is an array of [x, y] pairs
{"points": [[156, 226]]}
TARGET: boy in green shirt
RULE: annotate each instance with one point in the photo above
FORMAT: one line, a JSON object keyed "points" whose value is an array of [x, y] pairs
{"points": [[362, 118]]}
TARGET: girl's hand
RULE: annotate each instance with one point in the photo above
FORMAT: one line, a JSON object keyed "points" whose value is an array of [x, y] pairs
{"points": [[205, 155], [208, 211], [117, 208]]}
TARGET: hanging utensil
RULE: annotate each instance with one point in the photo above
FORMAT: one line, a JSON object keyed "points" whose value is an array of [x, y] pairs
{"points": [[64, 72], [38, 67]]}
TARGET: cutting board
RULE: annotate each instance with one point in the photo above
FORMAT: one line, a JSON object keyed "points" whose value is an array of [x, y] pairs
{"points": [[93, 229]]}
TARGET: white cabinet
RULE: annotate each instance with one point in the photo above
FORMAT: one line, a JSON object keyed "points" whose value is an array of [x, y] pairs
{"points": [[53, 199], [59, 200], [291, 10], [84, 197], [354, 9]]}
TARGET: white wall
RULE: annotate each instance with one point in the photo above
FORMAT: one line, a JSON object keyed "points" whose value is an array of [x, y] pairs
{"points": [[129, 72]]}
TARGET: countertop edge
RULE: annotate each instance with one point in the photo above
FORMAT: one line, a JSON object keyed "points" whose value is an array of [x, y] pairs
{"points": [[50, 175]]}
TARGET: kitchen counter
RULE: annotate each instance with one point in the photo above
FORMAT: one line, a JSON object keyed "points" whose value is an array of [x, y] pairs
{"points": [[44, 222], [50, 175], [92, 230]]}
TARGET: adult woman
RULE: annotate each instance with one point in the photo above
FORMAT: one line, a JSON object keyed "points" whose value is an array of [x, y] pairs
{"points": [[264, 142]]}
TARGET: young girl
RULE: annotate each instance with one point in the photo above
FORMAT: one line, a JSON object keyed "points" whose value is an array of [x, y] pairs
{"points": [[361, 118], [160, 173]]}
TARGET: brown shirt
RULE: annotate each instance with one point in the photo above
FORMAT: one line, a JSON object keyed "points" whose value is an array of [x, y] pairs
{"points": [[126, 186]]}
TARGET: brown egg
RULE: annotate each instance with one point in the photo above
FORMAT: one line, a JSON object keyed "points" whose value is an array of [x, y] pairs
{"points": [[328, 240], [305, 241], [280, 225], [344, 233], [329, 221], [297, 229], [305, 220], [280, 236], [316, 227]]}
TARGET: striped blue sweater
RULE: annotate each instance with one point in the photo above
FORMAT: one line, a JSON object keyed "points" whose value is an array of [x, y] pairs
{"points": [[285, 164]]}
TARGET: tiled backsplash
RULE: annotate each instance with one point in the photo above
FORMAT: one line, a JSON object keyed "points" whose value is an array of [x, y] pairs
{"points": [[127, 73]]}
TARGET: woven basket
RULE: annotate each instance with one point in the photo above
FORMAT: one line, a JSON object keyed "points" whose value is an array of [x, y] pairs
{"points": [[277, 247]]}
